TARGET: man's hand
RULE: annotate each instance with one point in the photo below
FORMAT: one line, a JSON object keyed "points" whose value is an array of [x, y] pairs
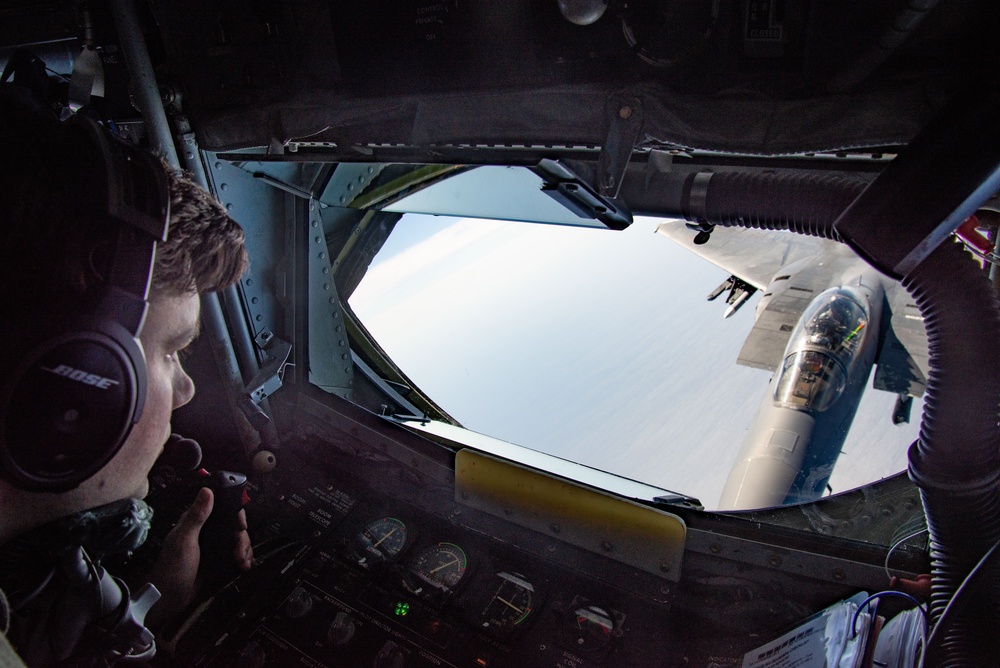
{"points": [[176, 570]]}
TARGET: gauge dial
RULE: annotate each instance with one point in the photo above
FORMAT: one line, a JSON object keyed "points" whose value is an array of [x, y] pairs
{"points": [[589, 628], [298, 604], [381, 540], [438, 567], [510, 605]]}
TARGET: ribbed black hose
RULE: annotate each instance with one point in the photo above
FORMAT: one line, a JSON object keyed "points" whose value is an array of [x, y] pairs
{"points": [[807, 204], [956, 461]]}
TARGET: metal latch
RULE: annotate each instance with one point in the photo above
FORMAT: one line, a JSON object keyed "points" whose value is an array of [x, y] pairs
{"points": [[268, 379]]}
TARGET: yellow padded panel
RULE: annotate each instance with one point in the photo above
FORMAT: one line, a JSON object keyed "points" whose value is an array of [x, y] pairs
{"points": [[646, 538]]}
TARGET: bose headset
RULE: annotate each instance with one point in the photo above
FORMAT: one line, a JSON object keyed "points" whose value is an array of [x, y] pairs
{"points": [[72, 396]]}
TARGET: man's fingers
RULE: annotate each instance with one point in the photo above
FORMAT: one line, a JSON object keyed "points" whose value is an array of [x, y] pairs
{"points": [[177, 566], [195, 516], [243, 551]]}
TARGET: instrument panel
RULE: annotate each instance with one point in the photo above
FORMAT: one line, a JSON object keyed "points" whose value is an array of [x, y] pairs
{"points": [[372, 550], [351, 576]]}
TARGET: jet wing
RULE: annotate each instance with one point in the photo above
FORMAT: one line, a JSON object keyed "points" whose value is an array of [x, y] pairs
{"points": [[765, 346], [766, 258], [902, 359], [756, 256]]}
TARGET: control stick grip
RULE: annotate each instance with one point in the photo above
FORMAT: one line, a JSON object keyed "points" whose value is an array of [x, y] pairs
{"points": [[218, 535]]}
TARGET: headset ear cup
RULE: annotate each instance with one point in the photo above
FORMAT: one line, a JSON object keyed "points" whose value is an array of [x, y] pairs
{"points": [[70, 405]]}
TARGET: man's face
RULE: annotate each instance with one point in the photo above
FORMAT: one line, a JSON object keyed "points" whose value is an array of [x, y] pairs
{"points": [[171, 325]]}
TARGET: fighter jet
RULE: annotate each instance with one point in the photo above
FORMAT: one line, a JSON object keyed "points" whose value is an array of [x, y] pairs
{"points": [[824, 319]]}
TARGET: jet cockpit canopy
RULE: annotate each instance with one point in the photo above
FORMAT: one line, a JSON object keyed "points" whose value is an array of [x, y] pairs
{"points": [[822, 349]]}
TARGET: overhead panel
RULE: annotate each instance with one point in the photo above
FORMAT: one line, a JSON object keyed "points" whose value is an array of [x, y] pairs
{"points": [[498, 193]]}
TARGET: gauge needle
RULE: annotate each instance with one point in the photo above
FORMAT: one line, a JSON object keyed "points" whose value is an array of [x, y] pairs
{"points": [[394, 529], [509, 604], [453, 561]]}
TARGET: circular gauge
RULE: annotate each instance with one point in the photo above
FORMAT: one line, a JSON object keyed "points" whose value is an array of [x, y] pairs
{"points": [[298, 604], [381, 540], [510, 604], [589, 628], [440, 567]]}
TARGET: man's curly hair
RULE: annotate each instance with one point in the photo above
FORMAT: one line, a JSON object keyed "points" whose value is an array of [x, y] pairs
{"points": [[204, 251]]}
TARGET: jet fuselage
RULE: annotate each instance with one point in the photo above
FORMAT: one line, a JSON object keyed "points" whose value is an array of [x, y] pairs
{"points": [[790, 450]]}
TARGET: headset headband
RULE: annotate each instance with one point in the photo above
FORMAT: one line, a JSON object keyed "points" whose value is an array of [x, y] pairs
{"points": [[136, 196]]}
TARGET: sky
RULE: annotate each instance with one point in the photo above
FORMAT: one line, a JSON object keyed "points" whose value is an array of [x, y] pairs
{"points": [[593, 345]]}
